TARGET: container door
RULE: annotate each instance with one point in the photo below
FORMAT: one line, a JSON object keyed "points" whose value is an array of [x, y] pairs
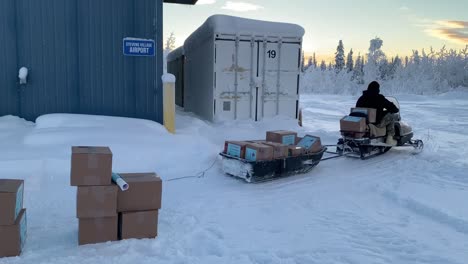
{"points": [[235, 72], [279, 73], [47, 38], [8, 60]]}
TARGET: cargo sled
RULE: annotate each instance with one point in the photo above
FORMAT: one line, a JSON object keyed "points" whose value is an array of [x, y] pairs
{"points": [[259, 171]]}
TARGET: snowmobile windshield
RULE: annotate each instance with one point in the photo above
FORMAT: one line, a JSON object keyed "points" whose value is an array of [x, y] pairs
{"points": [[394, 101]]}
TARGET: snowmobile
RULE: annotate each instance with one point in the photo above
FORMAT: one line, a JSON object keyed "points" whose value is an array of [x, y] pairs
{"points": [[372, 143]]}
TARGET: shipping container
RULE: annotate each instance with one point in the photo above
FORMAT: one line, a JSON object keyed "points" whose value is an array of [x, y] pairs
{"points": [[175, 66], [236, 68]]}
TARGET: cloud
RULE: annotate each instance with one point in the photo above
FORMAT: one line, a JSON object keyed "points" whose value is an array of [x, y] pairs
{"points": [[404, 8], [241, 6], [206, 2], [455, 31]]}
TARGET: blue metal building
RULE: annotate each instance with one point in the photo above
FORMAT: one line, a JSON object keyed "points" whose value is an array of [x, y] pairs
{"points": [[74, 53]]}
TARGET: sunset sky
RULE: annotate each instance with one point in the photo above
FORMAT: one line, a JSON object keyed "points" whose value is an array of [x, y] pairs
{"points": [[402, 25]]}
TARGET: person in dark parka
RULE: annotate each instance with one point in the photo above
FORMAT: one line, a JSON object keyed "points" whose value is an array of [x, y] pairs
{"points": [[371, 98]]}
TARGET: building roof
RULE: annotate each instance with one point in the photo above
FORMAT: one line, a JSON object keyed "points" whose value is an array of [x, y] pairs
{"points": [[175, 54], [184, 2]]}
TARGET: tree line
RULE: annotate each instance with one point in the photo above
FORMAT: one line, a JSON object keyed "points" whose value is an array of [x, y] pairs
{"points": [[430, 71]]}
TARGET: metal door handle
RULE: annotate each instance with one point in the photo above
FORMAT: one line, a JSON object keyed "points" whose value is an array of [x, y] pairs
{"points": [[23, 75]]}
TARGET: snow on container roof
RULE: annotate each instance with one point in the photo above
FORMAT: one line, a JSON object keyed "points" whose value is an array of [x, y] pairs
{"points": [[175, 54], [223, 24]]}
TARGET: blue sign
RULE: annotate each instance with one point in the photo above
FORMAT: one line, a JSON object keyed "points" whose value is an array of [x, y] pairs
{"points": [[234, 150], [289, 139], [138, 47], [306, 142], [250, 154]]}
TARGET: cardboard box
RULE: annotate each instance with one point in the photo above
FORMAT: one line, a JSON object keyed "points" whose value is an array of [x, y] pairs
{"points": [[282, 136], [91, 166], [298, 139], [279, 150], [256, 141], [353, 124], [11, 200], [13, 237], [144, 192], [310, 144], [235, 148], [96, 201], [258, 152], [370, 112], [97, 230], [295, 151], [142, 224]]}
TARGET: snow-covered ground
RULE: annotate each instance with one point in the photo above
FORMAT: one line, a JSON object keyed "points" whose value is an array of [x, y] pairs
{"points": [[396, 208]]}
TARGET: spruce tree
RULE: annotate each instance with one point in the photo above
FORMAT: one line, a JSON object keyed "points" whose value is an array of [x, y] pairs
{"points": [[416, 58], [323, 65], [309, 62], [314, 61], [340, 57], [358, 72], [170, 42], [349, 61]]}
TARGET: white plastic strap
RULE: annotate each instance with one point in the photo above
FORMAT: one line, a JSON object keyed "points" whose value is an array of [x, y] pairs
{"points": [[236, 84], [252, 75], [278, 77], [264, 90]]}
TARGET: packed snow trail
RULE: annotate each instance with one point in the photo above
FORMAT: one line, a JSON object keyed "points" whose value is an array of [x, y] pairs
{"points": [[395, 208]]}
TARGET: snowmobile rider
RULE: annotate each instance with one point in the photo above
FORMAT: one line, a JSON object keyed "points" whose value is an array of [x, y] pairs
{"points": [[385, 118]]}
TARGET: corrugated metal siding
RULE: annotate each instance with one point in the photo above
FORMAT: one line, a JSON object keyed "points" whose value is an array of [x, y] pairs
{"points": [[110, 83], [106, 77], [148, 84], [8, 66], [47, 47], [73, 49]]}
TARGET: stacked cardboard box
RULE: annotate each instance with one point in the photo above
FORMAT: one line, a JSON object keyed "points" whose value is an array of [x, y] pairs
{"points": [[288, 138], [138, 206], [279, 144], [282, 136], [104, 211], [279, 150], [371, 113], [310, 144], [13, 222], [235, 148], [258, 152], [96, 199], [353, 125]]}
